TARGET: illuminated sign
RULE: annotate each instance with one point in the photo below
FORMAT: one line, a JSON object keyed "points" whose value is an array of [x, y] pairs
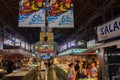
{"points": [[17, 42], [72, 51], [45, 46], [72, 43], [78, 50], [42, 35], [22, 44], [91, 43], [50, 36], [45, 56], [80, 43], [33, 55], [109, 30]]}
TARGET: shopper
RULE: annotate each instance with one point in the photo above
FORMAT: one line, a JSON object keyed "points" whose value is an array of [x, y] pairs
{"points": [[46, 63], [77, 69], [10, 66], [93, 71], [71, 72], [85, 71], [50, 62]]}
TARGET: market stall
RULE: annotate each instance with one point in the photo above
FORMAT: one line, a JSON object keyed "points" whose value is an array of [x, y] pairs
{"points": [[23, 65], [25, 73], [84, 56], [108, 37]]}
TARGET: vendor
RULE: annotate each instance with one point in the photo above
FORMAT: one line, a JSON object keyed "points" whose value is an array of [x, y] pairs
{"points": [[93, 71]]}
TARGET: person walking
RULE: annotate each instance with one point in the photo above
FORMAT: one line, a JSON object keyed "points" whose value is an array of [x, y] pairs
{"points": [[93, 71], [71, 72], [77, 69]]}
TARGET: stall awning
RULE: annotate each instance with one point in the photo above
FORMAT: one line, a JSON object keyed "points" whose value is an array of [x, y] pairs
{"points": [[3, 52], [108, 44]]}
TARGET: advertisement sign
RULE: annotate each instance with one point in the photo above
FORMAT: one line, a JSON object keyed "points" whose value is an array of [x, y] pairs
{"points": [[78, 51], [46, 49], [46, 46], [50, 37], [91, 43], [61, 14], [109, 30], [42, 35], [31, 13], [43, 56], [72, 51]]}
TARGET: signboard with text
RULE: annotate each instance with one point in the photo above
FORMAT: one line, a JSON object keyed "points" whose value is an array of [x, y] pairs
{"points": [[61, 14], [72, 51], [50, 37], [31, 13], [46, 46], [109, 30], [42, 35], [91, 43]]}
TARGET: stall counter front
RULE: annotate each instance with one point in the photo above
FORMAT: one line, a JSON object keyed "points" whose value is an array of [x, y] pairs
{"points": [[22, 74]]}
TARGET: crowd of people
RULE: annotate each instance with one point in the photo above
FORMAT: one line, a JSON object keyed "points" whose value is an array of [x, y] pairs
{"points": [[87, 70], [10, 64]]}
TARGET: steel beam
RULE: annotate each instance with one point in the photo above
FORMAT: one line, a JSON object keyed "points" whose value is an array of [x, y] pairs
{"points": [[86, 3], [9, 9], [97, 13], [106, 5]]}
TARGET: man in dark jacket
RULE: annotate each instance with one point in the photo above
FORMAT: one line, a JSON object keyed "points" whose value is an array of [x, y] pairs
{"points": [[10, 65], [77, 69]]}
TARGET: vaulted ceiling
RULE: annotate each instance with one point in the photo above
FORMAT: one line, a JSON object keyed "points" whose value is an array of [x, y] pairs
{"points": [[87, 14]]}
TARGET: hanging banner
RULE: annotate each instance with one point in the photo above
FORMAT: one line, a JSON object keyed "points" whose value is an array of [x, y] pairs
{"points": [[46, 49], [31, 13], [46, 46], [109, 30], [50, 41], [50, 38], [42, 35], [61, 14]]}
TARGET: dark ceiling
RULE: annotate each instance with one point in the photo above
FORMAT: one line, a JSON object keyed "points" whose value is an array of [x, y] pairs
{"points": [[86, 13]]}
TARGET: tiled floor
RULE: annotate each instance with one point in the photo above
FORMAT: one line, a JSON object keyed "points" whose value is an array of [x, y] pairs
{"points": [[47, 75]]}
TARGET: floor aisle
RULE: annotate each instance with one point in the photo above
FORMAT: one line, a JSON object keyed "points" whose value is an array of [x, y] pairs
{"points": [[47, 75]]}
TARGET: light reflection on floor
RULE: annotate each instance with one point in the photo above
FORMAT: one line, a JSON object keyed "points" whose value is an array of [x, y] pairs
{"points": [[47, 75]]}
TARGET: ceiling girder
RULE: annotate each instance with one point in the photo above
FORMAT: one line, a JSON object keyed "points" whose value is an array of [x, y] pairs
{"points": [[3, 1], [97, 13]]}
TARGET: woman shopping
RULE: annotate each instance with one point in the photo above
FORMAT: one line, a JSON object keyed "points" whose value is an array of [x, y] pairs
{"points": [[71, 72], [85, 71]]}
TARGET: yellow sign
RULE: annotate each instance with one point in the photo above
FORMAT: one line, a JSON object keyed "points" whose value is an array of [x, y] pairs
{"points": [[50, 37], [42, 35]]}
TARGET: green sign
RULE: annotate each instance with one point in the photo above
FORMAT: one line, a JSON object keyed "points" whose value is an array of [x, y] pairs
{"points": [[72, 51]]}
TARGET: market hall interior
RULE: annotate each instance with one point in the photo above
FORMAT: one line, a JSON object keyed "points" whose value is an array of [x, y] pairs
{"points": [[59, 39]]}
